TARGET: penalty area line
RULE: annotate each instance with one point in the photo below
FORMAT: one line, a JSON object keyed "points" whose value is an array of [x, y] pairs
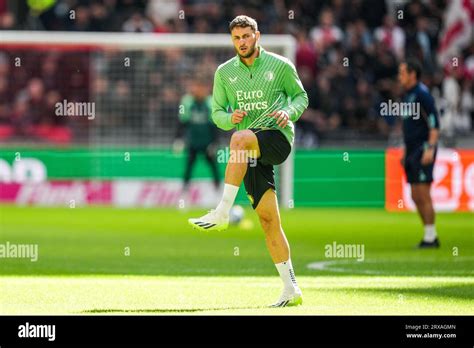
{"points": [[334, 266], [338, 266]]}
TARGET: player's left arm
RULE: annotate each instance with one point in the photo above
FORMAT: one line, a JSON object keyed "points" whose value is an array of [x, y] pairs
{"points": [[298, 98], [432, 119]]}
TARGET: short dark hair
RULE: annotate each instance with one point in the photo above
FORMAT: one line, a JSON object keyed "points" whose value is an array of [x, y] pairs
{"points": [[413, 65], [243, 22]]}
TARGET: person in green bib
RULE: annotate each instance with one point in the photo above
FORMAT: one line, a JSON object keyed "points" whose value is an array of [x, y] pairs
{"points": [[265, 96], [200, 132]]}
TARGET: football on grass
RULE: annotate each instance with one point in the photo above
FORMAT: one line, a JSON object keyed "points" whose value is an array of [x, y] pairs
{"points": [[236, 215]]}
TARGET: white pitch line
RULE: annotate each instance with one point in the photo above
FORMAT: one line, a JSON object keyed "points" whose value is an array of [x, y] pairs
{"points": [[332, 266], [327, 266]]}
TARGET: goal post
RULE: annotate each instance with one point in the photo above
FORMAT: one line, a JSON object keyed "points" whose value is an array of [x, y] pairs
{"points": [[134, 80]]}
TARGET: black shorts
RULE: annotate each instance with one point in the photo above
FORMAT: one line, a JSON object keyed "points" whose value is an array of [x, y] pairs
{"points": [[416, 172], [274, 150]]}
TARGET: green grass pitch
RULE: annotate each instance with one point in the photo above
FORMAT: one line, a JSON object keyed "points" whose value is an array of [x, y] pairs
{"points": [[148, 261]]}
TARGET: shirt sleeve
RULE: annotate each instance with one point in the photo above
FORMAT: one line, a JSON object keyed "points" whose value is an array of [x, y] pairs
{"points": [[220, 116], [428, 105], [294, 89]]}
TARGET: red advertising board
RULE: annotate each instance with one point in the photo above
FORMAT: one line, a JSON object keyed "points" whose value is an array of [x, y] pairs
{"points": [[452, 189]]}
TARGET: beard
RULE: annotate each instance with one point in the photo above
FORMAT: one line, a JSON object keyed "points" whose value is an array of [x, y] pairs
{"points": [[251, 51]]}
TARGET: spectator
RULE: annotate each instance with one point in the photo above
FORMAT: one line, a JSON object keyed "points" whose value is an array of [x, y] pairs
{"points": [[161, 11], [466, 107], [327, 33], [307, 125], [81, 20], [7, 21], [452, 95], [347, 62], [424, 42], [101, 18], [391, 36], [306, 55], [137, 24]]}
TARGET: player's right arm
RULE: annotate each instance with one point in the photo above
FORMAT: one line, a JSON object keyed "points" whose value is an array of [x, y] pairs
{"points": [[220, 103], [223, 119]]}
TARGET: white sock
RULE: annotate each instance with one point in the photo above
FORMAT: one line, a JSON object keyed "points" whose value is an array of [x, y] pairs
{"points": [[430, 233], [285, 269], [228, 198]]}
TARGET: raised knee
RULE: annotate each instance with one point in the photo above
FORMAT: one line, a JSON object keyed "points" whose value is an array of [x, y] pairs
{"points": [[242, 139]]}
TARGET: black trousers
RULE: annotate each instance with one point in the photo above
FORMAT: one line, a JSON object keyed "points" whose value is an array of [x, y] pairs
{"points": [[191, 161]]}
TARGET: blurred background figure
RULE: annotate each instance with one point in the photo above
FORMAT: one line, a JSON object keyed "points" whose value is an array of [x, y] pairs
{"points": [[200, 133], [391, 36], [137, 24]]}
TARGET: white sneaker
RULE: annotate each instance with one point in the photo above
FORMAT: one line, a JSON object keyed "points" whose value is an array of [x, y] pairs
{"points": [[212, 221], [289, 298]]}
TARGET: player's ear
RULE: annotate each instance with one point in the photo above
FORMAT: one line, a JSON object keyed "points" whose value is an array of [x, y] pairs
{"points": [[257, 35]]}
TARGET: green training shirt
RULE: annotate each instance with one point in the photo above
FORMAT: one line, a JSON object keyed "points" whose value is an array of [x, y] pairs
{"points": [[271, 83]]}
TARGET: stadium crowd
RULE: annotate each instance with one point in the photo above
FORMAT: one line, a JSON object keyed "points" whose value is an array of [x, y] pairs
{"points": [[348, 53]]}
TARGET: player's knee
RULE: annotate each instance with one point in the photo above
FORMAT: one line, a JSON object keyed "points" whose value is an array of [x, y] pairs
{"points": [[266, 224], [417, 198], [268, 220], [424, 200], [242, 139]]}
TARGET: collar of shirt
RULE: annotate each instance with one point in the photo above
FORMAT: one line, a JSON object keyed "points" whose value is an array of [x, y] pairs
{"points": [[256, 62]]}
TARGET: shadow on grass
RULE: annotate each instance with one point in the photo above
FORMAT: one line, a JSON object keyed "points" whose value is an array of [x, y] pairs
{"points": [[464, 291], [165, 310]]}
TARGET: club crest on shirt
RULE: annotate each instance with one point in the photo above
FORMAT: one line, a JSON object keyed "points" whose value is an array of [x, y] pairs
{"points": [[269, 76]]}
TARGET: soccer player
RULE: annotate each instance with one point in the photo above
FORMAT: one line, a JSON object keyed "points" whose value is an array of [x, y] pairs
{"points": [[266, 95], [200, 132], [420, 133]]}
